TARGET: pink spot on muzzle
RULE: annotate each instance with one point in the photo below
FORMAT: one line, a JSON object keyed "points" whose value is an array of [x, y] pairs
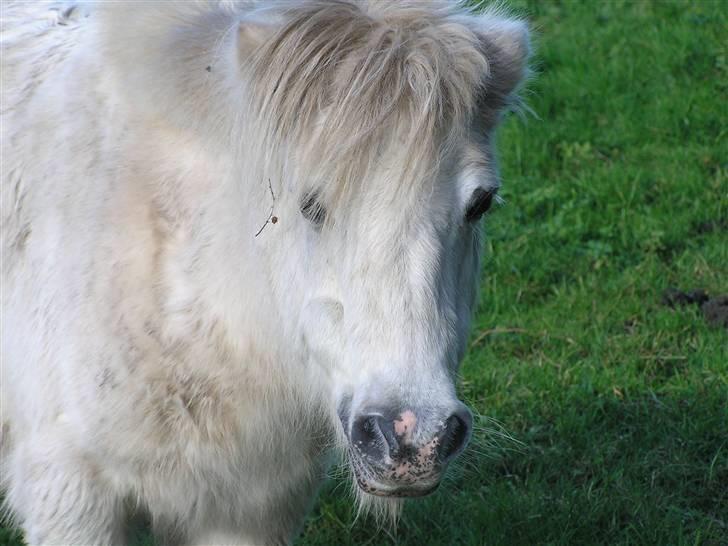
{"points": [[405, 425]]}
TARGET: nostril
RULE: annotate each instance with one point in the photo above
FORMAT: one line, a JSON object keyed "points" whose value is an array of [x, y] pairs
{"points": [[368, 436], [454, 436], [387, 430]]}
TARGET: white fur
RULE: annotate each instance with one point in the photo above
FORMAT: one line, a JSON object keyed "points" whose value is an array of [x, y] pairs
{"points": [[156, 353]]}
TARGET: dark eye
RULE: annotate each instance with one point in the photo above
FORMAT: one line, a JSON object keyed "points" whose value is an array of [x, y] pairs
{"points": [[312, 209], [479, 203]]}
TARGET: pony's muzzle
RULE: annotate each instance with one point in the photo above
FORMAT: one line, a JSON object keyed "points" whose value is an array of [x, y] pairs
{"points": [[393, 457]]}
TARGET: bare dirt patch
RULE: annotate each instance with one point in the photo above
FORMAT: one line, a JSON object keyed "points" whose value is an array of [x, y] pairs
{"points": [[714, 309]]}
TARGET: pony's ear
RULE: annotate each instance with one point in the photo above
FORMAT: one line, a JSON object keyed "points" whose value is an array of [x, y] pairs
{"points": [[507, 46]]}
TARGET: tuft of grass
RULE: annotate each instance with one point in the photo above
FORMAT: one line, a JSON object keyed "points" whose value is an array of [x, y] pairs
{"points": [[611, 409]]}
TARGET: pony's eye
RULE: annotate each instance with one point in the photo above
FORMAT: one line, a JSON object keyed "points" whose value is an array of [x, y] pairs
{"points": [[312, 209], [479, 203]]}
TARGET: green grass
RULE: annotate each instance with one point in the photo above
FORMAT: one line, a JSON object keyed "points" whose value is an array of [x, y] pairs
{"points": [[618, 405], [617, 190]]}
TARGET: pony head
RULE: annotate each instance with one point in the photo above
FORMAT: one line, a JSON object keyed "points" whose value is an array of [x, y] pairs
{"points": [[374, 123]]}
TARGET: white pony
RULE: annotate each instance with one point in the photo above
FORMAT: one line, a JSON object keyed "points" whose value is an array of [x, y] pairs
{"points": [[236, 237]]}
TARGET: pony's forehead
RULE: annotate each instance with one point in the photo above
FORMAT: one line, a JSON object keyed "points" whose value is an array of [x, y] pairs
{"points": [[349, 82]]}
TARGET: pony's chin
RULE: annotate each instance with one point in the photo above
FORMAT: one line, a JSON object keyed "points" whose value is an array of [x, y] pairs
{"points": [[396, 491]]}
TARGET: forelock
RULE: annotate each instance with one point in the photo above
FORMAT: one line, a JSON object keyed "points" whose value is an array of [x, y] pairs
{"points": [[343, 81]]}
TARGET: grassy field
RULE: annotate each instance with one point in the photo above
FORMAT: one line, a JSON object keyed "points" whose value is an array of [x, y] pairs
{"points": [[615, 191], [616, 404]]}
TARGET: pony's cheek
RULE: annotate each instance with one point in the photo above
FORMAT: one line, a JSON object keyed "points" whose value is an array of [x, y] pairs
{"points": [[321, 327]]}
